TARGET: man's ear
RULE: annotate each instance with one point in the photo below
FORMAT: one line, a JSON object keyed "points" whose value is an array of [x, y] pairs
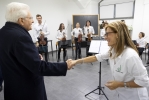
{"points": [[21, 21]]}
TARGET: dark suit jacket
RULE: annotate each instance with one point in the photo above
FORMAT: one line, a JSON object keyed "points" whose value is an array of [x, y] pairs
{"points": [[22, 68]]}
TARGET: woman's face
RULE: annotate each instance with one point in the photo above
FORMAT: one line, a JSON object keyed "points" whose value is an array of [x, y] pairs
{"points": [[77, 25], [88, 23], [140, 35], [63, 26], [111, 37]]}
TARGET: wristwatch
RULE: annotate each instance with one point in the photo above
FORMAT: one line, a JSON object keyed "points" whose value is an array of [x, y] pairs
{"points": [[125, 85]]}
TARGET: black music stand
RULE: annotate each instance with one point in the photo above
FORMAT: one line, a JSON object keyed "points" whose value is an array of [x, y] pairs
{"points": [[97, 44]]}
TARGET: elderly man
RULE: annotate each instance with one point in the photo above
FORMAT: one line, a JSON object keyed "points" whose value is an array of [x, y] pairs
{"points": [[22, 67]]}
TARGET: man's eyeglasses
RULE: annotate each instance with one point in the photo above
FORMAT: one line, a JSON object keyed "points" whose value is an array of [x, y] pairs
{"points": [[29, 17]]}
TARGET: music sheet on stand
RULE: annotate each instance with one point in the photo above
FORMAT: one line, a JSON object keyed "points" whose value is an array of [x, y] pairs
{"points": [[99, 46]]}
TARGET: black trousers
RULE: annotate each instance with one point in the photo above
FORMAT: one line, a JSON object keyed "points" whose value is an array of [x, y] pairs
{"points": [[140, 50], [78, 47], [59, 51], [46, 53], [87, 48]]}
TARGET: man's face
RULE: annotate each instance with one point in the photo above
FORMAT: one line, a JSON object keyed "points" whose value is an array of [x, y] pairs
{"points": [[39, 19], [26, 22]]}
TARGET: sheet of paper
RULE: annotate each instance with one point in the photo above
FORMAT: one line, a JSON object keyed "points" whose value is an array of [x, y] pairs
{"points": [[99, 46], [94, 46], [103, 47]]}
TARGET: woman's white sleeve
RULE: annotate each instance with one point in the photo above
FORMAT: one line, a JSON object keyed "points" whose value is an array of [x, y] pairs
{"points": [[101, 57], [137, 70], [57, 36], [72, 32]]}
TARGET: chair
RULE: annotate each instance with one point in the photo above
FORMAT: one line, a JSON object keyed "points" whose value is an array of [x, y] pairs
{"points": [[43, 49]]}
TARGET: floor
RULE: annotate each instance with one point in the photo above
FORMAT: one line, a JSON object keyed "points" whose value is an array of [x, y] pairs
{"points": [[79, 81]]}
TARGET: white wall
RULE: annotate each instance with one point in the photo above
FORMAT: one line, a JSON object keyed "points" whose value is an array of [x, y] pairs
{"points": [[73, 9], [145, 27], [141, 19], [54, 12]]}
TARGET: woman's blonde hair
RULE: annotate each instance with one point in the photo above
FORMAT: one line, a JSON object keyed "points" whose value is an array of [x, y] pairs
{"points": [[123, 39]]}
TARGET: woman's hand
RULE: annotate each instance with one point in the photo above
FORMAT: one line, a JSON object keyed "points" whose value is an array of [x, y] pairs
{"points": [[112, 85]]}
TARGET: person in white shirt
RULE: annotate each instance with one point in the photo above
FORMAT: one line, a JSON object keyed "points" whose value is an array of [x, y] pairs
{"points": [[75, 33], [141, 43], [61, 36], [103, 32], [130, 77], [41, 28], [88, 30]]}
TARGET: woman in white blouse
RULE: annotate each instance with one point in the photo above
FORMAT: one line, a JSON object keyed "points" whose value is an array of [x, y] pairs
{"points": [[61, 33], [75, 33], [103, 32], [88, 29], [130, 77], [141, 43]]}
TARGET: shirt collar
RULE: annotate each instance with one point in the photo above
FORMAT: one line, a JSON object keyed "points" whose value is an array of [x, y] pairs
{"points": [[40, 24], [113, 52]]}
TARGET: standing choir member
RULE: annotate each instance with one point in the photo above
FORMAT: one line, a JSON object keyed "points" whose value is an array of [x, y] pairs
{"points": [[141, 43], [75, 34], [130, 77], [88, 31], [41, 28], [103, 32], [61, 36]]}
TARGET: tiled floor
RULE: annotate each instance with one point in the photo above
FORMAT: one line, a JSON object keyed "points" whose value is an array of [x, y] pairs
{"points": [[78, 82]]}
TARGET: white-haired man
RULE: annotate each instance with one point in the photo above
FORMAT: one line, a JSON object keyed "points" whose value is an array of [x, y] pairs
{"points": [[22, 67]]}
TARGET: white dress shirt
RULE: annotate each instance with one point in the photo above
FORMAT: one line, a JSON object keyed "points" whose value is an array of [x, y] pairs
{"points": [[103, 32], [91, 30], [75, 32], [61, 34], [43, 27], [141, 42], [128, 67]]}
